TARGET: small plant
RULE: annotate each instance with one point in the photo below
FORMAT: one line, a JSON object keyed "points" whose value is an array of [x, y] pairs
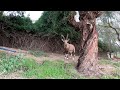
{"points": [[9, 63], [29, 64]]}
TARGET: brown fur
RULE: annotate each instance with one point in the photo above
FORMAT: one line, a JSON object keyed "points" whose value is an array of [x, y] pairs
{"points": [[69, 48]]}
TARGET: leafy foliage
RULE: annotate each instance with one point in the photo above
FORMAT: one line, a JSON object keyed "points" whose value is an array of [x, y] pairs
{"points": [[55, 23], [17, 21], [9, 63]]}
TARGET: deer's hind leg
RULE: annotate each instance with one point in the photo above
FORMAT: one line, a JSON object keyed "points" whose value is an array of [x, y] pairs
{"points": [[71, 55]]}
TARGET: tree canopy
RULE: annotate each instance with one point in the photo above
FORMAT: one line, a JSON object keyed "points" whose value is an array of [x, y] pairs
{"points": [[17, 21], [55, 23]]}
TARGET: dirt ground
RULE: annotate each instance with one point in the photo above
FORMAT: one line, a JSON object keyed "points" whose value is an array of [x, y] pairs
{"points": [[50, 56]]}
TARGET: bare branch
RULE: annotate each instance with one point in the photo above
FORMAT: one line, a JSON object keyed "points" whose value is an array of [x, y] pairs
{"points": [[117, 45], [72, 20], [115, 29], [117, 33]]}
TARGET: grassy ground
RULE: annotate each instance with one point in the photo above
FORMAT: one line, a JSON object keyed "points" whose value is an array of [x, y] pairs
{"points": [[115, 74], [118, 55], [31, 69], [49, 69]]}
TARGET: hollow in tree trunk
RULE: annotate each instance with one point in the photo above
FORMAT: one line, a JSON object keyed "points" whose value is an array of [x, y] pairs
{"points": [[88, 58]]}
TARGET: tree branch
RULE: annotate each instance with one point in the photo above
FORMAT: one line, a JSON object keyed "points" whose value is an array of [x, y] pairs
{"points": [[84, 15], [115, 29], [72, 21], [117, 33], [117, 45]]}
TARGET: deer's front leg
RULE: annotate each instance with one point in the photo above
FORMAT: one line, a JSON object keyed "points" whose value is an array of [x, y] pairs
{"points": [[66, 54]]}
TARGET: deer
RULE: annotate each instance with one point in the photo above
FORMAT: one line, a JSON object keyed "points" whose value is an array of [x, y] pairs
{"points": [[69, 48]]}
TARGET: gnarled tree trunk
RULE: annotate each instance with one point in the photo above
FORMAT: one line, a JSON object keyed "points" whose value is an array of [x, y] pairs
{"points": [[88, 58]]}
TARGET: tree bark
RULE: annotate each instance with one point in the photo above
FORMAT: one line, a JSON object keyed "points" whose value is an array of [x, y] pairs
{"points": [[89, 52], [88, 58]]}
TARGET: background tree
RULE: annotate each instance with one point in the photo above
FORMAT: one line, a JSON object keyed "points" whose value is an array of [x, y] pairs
{"points": [[109, 30], [54, 23], [15, 20]]}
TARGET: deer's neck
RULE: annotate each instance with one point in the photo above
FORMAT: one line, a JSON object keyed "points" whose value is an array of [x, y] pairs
{"points": [[66, 45]]}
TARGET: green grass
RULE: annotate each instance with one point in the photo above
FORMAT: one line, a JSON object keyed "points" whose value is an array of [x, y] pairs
{"points": [[118, 55], [49, 69], [110, 62], [10, 63], [31, 69], [38, 53], [52, 70]]}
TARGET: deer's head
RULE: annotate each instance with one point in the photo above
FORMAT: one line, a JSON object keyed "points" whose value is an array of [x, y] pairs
{"points": [[65, 40]]}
